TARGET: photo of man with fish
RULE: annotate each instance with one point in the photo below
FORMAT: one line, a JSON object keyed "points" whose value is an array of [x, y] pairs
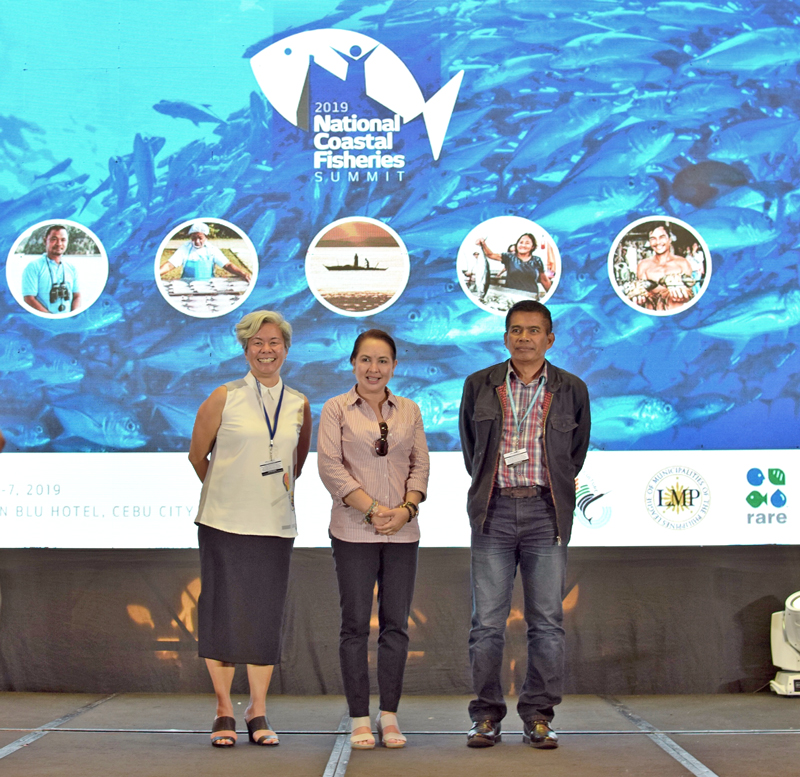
{"points": [[56, 269], [505, 260], [205, 268], [659, 266]]}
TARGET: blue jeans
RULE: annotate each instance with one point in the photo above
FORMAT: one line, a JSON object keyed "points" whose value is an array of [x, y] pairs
{"points": [[517, 532]]}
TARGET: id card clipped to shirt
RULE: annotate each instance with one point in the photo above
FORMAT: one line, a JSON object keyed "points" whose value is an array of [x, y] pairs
{"points": [[271, 467], [517, 456]]}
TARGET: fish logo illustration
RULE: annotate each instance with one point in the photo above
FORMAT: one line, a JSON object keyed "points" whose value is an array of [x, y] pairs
{"points": [[587, 509], [754, 499], [282, 70]]}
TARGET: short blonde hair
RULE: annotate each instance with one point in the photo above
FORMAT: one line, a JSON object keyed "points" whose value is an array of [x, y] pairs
{"points": [[252, 322]]}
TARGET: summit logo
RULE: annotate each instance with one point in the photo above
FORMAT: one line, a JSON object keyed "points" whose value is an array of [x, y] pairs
{"points": [[283, 72]]}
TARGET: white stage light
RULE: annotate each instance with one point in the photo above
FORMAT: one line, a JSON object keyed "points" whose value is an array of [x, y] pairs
{"points": [[786, 647]]}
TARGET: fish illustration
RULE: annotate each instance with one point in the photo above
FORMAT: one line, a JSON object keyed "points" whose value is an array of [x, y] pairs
{"points": [[597, 49], [696, 184], [755, 51], [584, 499], [16, 353], [591, 201], [696, 409], [753, 138], [639, 144], [627, 418], [101, 421], [59, 168], [143, 169], [282, 72], [105, 311], [55, 368], [754, 315], [754, 499], [733, 228], [194, 112]]}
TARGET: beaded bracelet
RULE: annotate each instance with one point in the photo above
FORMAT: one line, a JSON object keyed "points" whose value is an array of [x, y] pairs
{"points": [[368, 514], [413, 510]]}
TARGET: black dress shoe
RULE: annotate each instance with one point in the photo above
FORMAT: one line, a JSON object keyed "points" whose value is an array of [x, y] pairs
{"points": [[484, 733], [537, 733]]}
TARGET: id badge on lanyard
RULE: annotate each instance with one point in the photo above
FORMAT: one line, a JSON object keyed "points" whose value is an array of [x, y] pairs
{"points": [[271, 466], [519, 455]]}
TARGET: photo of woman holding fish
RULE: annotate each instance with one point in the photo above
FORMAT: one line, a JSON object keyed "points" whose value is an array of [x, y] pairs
{"points": [[529, 268]]}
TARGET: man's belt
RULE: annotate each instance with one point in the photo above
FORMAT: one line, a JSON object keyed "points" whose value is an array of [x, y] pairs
{"points": [[523, 492]]}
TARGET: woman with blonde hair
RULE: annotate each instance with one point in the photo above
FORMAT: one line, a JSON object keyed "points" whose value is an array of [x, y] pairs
{"points": [[249, 443]]}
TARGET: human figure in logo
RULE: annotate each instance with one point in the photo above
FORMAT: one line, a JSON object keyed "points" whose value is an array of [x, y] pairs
{"points": [[198, 256], [50, 284], [664, 279], [524, 270], [524, 426]]}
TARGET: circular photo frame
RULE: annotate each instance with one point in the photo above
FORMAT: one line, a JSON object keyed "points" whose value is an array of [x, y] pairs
{"points": [[659, 266], [57, 269], [206, 267], [507, 259], [357, 266]]}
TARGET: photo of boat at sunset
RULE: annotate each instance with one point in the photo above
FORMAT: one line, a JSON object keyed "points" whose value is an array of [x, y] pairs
{"points": [[357, 266]]}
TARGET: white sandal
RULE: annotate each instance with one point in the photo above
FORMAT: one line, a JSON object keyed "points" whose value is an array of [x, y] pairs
{"points": [[390, 739], [364, 740]]}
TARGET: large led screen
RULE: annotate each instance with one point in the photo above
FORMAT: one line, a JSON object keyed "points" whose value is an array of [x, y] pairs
{"points": [[395, 165]]}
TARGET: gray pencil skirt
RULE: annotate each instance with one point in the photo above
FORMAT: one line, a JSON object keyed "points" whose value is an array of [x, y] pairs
{"points": [[244, 578]]}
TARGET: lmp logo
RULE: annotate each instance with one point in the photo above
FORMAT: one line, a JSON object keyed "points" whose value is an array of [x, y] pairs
{"points": [[282, 70], [588, 509], [677, 498]]}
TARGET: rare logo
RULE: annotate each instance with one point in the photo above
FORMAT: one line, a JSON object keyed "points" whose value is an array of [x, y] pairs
{"points": [[590, 510], [677, 498], [283, 72], [768, 491]]}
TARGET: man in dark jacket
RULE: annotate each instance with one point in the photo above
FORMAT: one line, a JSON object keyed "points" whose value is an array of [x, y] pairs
{"points": [[524, 428]]}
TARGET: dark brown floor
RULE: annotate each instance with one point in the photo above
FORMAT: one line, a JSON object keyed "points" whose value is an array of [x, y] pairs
{"points": [[144, 735]]}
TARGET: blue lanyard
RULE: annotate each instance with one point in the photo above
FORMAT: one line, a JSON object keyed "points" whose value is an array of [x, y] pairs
{"points": [[517, 421], [272, 429]]}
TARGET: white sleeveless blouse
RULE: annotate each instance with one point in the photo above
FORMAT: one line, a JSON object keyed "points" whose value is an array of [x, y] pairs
{"points": [[236, 498]]}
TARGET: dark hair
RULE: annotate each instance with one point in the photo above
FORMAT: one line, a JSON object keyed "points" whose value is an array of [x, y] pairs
{"points": [[55, 228], [373, 334], [530, 306], [527, 234], [663, 225]]}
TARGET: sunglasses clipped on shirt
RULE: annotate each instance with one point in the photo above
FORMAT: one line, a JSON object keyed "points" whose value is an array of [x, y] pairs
{"points": [[382, 444]]}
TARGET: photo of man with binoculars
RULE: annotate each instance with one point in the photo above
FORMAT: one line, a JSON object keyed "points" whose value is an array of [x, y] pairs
{"points": [[50, 284]]}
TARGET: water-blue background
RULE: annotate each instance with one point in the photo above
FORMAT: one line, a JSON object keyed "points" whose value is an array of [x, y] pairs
{"points": [[582, 116]]}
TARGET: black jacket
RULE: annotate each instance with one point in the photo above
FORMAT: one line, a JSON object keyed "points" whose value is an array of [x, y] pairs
{"points": [[566, 438]]}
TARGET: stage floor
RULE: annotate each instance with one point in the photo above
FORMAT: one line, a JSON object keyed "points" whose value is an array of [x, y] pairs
{"points": [[144, 735]]}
